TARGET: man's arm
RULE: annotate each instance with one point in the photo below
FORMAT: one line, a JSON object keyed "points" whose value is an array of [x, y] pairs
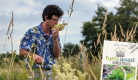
{"points": [[24, 52], [38, 59], [56, 48]]}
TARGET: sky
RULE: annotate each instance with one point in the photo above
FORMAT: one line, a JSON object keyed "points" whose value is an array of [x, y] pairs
{"points": [[28, 13]]}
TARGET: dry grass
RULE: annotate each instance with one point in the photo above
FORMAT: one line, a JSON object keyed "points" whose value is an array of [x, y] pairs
{"points": [[93, 69]]}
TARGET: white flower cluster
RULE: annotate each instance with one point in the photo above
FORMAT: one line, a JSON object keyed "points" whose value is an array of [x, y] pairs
{"points": [[66, 73], [60, 26], [81, 76]]}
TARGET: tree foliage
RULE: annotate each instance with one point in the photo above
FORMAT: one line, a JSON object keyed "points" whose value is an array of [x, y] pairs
{"points": [[70, 49], [9, 55], [126, 15]]}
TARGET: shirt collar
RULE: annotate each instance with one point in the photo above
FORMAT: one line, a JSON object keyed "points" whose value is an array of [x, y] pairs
{"points": [[42, 32]]}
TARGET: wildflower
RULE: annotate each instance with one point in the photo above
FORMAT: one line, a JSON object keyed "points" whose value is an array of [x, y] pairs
{"points": [[60, 26]]}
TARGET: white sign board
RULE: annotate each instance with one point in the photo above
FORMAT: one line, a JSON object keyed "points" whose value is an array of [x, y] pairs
{"points": [[119, 61]]}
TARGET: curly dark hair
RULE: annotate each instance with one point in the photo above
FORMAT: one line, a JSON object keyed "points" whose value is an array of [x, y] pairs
{"points": [[51, 10]]}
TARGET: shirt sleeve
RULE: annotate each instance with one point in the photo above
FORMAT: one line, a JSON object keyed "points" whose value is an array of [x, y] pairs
{"points": [[28, 40]]}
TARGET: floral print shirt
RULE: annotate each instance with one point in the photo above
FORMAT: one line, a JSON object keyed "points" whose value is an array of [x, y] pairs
{"points": [[44, 45]]}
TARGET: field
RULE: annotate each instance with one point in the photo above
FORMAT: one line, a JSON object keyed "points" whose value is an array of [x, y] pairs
{"points": [[66, 68]]}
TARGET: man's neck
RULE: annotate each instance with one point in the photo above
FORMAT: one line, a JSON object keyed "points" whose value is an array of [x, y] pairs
{"points": [[45, 28]]}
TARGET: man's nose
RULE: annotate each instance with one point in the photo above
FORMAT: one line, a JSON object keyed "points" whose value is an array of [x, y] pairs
{"points": [[56, 22]]}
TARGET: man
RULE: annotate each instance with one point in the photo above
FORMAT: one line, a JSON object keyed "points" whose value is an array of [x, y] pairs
{"points": [[45, 38]]}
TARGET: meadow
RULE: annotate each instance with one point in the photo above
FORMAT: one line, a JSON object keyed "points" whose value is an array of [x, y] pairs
{"points": [[89, 69], [66, 68]]}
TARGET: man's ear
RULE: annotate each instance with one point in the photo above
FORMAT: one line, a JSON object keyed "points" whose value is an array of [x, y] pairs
{"points": [[45, 18]]}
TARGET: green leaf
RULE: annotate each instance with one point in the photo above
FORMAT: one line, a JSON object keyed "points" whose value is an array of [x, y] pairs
{"points": [[128, 76]]}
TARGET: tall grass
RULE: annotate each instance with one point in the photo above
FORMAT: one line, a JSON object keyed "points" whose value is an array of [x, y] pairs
{"points": [[93, 69], [12, 71]]}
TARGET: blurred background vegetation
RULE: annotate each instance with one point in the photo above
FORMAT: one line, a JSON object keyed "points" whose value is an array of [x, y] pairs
{"points": [[126, 15]]}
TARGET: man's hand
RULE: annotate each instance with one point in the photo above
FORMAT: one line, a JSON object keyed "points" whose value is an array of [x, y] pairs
{"points": [[38, 59], [56, 48], [55, 33]]}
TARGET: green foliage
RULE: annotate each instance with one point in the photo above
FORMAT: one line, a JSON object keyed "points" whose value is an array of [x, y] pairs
{"points": [[3, 76], [1, 61], [128, 76], [25, 71], [91, 29], [70, 49], [117, 75], [8, 55], [126, 15]]}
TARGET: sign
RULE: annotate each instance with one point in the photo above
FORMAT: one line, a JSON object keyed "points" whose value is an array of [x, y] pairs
{"points": [[119, 61]]}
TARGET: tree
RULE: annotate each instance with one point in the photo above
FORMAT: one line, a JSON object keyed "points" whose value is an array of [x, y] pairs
{"points": [[127, 15], [70, 49], [91, 29], [9, 55]]}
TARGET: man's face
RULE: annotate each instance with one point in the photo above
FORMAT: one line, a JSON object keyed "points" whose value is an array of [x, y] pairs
{"points": [[53, 21]]}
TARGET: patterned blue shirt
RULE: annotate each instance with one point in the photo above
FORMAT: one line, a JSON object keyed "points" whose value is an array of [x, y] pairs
{"points": [[44, 45]]}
